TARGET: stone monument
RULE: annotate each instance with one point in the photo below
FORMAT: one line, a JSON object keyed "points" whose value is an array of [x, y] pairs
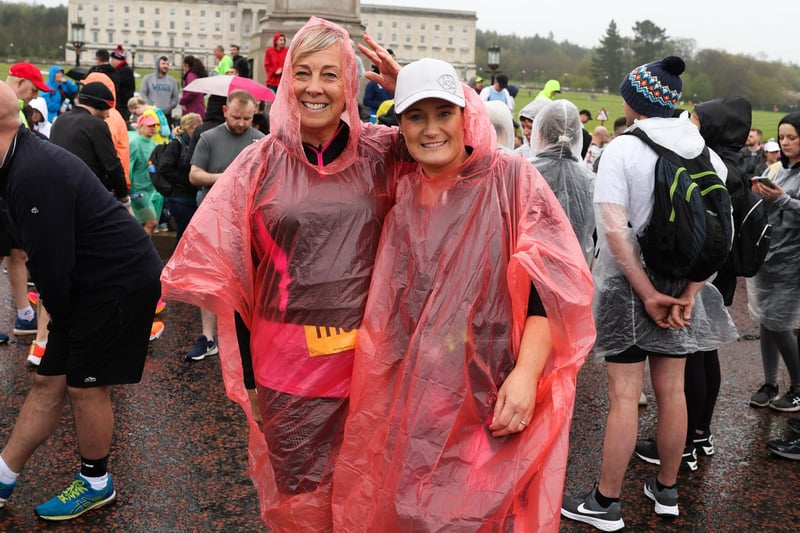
{"points": [[288, 16]]}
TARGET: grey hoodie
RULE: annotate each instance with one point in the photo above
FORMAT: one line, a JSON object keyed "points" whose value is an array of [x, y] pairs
{"points": [[160, 90]]}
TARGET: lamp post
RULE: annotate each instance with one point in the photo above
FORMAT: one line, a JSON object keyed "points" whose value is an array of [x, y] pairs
{"points": [[133, 58], [78, 41], [493, 59]]}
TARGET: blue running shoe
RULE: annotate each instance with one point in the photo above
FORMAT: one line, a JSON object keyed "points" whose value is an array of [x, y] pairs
{"points": [[76, 499], [3, 338], [25, 327], [5, 492]]}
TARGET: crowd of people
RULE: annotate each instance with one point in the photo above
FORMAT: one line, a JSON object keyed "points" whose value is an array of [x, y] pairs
{"points": [[401, 298]]}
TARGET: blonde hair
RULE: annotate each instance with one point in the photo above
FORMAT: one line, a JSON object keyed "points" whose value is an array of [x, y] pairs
{"points": [[315, 40], [187, 121], [135, 101]]}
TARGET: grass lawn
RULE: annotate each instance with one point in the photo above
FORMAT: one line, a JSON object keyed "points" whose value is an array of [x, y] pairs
{"points": [[766, 121]]}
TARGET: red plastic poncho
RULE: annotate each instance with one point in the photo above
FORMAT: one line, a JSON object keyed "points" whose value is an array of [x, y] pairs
{"points": [[290, 246], [442, 328]]}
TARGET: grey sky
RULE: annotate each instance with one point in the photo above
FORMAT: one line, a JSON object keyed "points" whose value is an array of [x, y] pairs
{"points": [[756, 30]]}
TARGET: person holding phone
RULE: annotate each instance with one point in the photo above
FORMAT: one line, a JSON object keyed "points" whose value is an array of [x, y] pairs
{"points": [[772, 292]]}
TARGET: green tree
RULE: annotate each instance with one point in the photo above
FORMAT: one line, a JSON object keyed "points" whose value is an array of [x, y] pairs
{"points": [[648, 42], [607, 64]]}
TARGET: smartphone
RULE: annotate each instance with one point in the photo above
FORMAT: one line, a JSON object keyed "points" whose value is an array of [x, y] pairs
{"points": [[766, 181]]}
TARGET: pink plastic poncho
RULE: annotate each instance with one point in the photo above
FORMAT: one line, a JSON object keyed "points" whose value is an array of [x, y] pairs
{"points": [[290, 246], [443, 324]]}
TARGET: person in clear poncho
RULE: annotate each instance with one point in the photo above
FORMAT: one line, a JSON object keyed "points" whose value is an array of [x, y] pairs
{"points": [[772, 292], [477, 322], [286, 240], [503, 124], [642, 316], [526, 117], [556, 141]]}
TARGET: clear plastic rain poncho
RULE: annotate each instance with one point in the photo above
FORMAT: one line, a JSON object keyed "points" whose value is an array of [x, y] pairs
{"points": [[556, 142], [529, 111], [290, 246], [442, 328], [623, 204], [772, 294]]}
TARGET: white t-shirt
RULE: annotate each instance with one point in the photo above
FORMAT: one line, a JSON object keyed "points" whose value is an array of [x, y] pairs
{"points": [[626, 175]]}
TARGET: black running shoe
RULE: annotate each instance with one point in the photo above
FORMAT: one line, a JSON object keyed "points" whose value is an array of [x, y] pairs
{"points": [[585, 508], [648, 451], [666, 500], [789, 449]]}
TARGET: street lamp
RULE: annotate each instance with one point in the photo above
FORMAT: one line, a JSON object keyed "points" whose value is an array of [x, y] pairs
{"points": [[78, 41], [133, 57], [493, 59]]}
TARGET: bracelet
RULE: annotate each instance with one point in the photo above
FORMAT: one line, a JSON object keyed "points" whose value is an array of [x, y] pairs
{"points": [[126, 202]]}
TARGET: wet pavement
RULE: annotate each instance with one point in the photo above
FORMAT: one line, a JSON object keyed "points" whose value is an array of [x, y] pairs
{"points": [[179, 456]]}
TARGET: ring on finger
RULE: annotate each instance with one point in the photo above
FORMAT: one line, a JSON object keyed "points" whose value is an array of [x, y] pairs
{"points": [[523, 423]]}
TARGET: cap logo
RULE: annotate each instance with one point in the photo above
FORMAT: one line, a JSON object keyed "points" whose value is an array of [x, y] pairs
{"points": [[448, 83]]}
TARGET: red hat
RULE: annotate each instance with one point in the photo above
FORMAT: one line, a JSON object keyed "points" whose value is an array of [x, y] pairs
{"points": [[118, 53], [146, 120], [27, 71]]}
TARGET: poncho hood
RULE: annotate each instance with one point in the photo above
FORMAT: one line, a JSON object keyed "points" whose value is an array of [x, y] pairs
{"points": [[284, 116]]}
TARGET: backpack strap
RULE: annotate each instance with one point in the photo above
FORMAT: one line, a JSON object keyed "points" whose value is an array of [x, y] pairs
{"points": [[659, 149]]}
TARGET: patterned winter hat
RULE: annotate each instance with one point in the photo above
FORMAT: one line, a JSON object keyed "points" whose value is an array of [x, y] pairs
{"points": [[654, 89], [118, 53]]}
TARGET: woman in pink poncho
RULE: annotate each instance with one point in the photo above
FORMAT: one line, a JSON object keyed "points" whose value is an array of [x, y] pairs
{"points": [[478, 319], [286, 240]]}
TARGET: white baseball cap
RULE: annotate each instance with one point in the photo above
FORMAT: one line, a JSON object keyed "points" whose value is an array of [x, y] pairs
{"points": [[427, 78], [772, 146]]}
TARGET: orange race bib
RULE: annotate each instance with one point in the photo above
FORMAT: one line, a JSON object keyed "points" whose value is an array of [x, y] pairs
{"points": [[329, 340]]}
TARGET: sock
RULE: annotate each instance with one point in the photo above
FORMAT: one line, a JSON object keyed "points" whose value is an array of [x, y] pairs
{"points": [[604, 501], [661, 487], [7, 476], [26, 313], [94, 468]]}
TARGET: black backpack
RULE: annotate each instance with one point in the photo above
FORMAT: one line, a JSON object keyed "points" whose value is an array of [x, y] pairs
{"points": [[160, 181], [752, 232], [689, 233]]}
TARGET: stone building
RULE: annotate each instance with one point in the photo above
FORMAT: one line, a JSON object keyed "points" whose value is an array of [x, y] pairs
{"points": [[152, 28]]}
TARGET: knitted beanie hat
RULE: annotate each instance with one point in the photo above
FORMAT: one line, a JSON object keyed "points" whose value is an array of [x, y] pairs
{"points": [[118, 53], [96, 95], [653, 89]]}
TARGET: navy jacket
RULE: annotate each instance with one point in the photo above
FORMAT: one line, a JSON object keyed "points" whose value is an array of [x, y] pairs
{"points": [[83, 246]]}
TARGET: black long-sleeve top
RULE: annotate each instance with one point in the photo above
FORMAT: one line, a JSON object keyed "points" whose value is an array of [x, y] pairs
{"points": [[83, 246], [89, 138]]}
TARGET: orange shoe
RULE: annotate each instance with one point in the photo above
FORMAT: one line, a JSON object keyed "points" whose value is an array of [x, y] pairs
{"points": [[35, 354], [156, 330], [33, 298], [160, 306]]}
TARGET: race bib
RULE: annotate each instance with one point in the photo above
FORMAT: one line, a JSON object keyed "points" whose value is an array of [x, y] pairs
{"points": [[329, 340]]}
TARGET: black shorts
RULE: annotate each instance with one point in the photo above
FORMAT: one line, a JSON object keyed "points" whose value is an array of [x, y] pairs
{"points": [[104, 343], [634, 354], [7, 242]]}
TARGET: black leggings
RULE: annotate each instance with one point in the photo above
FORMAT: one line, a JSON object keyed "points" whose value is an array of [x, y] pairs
{"points": [[702, 380], [304, 435]]}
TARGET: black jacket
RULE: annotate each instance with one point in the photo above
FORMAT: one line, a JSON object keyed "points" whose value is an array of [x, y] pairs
{"points": [[83, 246], [126, 86], [89, 138], [241, 65], [724, 125], [174, 165]]}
